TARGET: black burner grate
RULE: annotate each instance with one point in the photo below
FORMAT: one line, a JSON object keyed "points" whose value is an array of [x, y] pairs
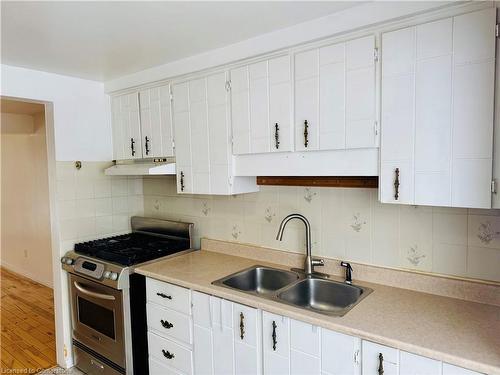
{"points": [[130, 249]]}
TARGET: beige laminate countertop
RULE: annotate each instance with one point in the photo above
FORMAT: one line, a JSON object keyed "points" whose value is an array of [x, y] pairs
{"points": [[462, 333]]}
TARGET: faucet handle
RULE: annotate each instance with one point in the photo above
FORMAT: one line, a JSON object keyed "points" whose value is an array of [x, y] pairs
{"points": [[318, 262]]}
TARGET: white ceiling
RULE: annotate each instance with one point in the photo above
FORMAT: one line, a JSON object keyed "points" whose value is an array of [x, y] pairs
{"points": [[105, 40]]}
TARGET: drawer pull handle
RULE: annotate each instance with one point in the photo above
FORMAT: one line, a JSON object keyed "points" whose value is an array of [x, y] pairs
{"points": [[306, 134], [132, 146], [396, 184], [166, 324], [380, 364], [242, 326], [182, 181], [163, 295], [167, 354], [146, 146], [276, 136], [275, 341]]}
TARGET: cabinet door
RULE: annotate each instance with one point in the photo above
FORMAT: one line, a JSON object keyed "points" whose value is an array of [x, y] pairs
{"points": [[156, 123], [306, 100], [377, 357], [305, 344], [437, 111], [126, 127], [412, 364], [280, 94], [304, 364], [340, 354], [182, 134], [276, 343], [247, 340], [397, 138]]}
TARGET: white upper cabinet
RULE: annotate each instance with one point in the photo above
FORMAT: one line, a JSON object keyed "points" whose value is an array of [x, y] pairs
{"points": [[156, 122], [142, 125], [335, 96], [126, 127], [203, 138], [261, 107], [437, 112]]}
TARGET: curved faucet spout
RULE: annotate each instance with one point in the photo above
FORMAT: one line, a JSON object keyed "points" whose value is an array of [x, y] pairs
{"points": [[309, 262], [302, 218]]}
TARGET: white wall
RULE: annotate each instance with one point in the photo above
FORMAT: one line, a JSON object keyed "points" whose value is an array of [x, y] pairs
{"points": [[25, 239], [81, 121], [347, 224]]}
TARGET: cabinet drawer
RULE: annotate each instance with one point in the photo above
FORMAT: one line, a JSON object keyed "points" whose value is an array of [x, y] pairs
{"points": [[305, 337], [158, 368], [170, 353], [371, 359], [245, 324], [169, 323], [172, 296], [454, 370], [412, 364]]}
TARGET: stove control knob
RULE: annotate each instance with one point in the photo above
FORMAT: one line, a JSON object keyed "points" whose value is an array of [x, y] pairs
{"points": [[68, 261], [63, 260], [113, 276], [107, 274]]}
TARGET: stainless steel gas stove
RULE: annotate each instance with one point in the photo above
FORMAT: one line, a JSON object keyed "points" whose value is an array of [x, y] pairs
{"points": [[108, 298]]}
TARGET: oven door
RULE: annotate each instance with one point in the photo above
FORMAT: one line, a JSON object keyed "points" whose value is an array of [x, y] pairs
{"points": [[97, 313]]}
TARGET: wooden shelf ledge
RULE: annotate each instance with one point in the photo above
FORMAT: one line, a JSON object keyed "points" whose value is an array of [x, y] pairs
{"points": [[320, 181]]}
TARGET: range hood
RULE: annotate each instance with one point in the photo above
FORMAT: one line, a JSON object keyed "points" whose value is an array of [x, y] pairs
{"points": [[149, 167]]}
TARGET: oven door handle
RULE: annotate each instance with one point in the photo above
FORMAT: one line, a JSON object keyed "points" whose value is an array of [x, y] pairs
{"points": [[93, 294]]}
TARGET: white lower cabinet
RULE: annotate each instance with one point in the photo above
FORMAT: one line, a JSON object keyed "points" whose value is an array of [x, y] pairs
{"points": [[340, 354], [213, 336], [247, 340]]}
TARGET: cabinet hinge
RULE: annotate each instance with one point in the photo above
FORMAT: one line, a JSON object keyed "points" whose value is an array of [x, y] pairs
{"points": [[171, 97], [497, 31], [228, 85], [375, 54], [375, 127], [494, 186]]}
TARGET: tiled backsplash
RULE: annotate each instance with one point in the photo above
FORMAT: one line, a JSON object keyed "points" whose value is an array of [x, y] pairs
{"points": [[347, 224], [92, 205]]}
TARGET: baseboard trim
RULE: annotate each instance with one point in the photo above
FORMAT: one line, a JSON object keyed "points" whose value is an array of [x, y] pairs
{"points": [[23, 273]]}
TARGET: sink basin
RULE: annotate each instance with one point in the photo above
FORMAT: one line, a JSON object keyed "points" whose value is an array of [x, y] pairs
{"points": [[259, 279], [323, 296]]}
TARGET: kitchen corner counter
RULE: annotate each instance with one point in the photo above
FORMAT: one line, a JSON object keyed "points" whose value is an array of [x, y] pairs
{"points": [[459, 332]]}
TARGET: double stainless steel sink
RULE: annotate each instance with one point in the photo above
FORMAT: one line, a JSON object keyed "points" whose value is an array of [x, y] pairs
{"points": [[313, 293]]}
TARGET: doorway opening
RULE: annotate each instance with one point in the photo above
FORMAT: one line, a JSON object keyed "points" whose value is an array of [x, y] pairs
{"points": [[28, 340]]}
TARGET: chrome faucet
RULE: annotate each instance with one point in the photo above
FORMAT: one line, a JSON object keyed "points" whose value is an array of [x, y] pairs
{"points": [[309, 262]]}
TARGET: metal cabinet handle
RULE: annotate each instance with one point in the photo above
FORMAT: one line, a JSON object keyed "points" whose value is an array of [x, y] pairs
{"points": [[275, 341], [163, 295], [146, 145], [167, 354], [166, 324], [242, 326], [182, 181], [90, 293], [380, 364], [306, 133], [396, 184], [276, 136], [132, 146]]}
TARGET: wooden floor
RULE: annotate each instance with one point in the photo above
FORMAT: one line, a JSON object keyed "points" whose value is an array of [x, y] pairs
{"points": [[27, 324]]}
